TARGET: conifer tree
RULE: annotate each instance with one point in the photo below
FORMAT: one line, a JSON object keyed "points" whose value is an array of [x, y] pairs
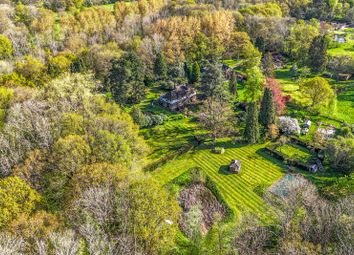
{"points": [[267, 113], [251, 133], [268, 65], [195, 75], [233, 84], [318, 53], [160, 66]]}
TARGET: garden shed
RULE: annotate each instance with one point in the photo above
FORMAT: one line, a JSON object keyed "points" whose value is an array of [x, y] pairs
{"points": [[235, 166]]}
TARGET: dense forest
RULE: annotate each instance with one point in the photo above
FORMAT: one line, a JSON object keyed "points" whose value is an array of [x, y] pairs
{"points": [[119, 120]]}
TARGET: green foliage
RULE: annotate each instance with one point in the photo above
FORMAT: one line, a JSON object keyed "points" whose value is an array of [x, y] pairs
{"points": [[267, 112], [16, 197], [111, 148], [266, 10], [268, 65], [213, 82], [59, 64], [151, 210], [340, 154], [126, 79], [301, 36], [318, 91], [69, 154], [251, 133], [195, 73], [318, 53], [6, 48], [254, 84], [33, 70], [5, 96], [233, 84], [160, 66]]}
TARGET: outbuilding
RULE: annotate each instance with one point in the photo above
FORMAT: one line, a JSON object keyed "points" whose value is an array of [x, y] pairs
{"points": [[235, 166]]}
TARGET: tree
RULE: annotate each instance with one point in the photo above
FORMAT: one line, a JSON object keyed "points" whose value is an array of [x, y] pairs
{"points": [[267, 113], [318, 91], [16, 197], [126, 79], [138, 116], [251, 133], [160, 66], [213, 82], [268, 65], [33, 70], [152, 215], [195, 74], [318, 53], [300, 39], [6, 48], [69, 154], [278, 98], [216, 116], [110, 147], [233, 84], [254, 84], [340, 154]]}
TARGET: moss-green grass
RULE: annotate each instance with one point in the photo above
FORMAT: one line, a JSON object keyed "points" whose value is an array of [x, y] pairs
{"points": [[237, 189]]}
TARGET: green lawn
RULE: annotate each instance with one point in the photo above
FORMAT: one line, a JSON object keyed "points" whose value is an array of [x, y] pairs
{"points": [[238, 189], [295, 152], [345, 100], [344, 49], [177, 132]]}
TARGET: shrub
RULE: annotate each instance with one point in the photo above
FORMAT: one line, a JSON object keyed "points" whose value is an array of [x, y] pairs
{"points": [[219, 150]]}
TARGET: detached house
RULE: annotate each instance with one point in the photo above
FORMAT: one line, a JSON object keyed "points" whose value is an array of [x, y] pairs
{"points": [[180, 96]]}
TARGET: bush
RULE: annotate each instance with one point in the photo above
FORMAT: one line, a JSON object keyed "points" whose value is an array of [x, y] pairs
{"points": [[219, 150]]}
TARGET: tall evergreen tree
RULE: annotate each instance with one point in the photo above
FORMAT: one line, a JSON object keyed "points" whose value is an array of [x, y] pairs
{"points": [[187, 71], [213, 82], [126, 79], [267, 113], [318, 53], [195, 75], [233, 84], [251, 133], [268, 65], [160, 66]]}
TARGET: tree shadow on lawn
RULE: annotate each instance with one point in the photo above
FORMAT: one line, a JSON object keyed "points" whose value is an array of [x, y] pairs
{"points": [[262, 152], [224, 169], [208, 145]]}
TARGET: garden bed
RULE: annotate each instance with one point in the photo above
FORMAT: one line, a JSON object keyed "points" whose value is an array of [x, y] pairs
{"points": [[292, 154]]}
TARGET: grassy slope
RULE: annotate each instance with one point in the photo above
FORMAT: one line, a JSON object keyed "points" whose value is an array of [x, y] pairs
{"points": [[345, 100], [237, 189], [178, 131], [344, 49]]}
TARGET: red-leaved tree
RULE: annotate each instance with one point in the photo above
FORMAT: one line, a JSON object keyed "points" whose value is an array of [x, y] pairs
{"points": [[279, 100]]}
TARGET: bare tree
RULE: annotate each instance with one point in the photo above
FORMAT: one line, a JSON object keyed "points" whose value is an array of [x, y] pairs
{"points": [[216, 116], [10, 245], [64, 243]]}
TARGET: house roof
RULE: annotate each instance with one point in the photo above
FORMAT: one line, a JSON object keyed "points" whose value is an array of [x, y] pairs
{"points": [[235, 163], [179, 93]]}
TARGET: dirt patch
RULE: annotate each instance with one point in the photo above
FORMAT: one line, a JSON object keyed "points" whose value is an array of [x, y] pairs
{"points": [[199, 195]]}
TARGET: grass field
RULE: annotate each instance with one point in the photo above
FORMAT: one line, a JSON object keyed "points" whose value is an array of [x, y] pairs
{"points": [[238, 189], [295, 152], [344, 49], [345, 100]]}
